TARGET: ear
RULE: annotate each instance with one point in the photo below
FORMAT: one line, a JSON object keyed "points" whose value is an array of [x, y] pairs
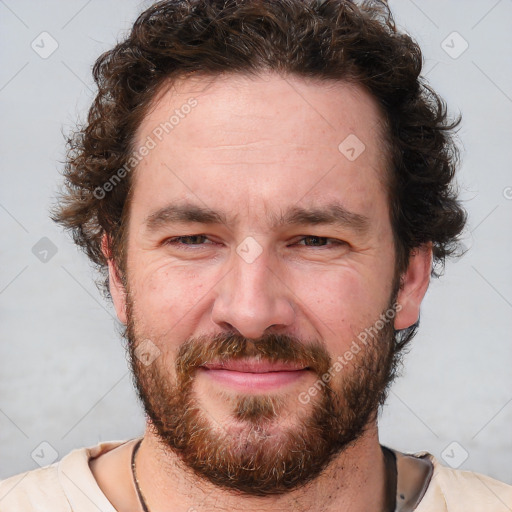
{"points": [[117, 289], [413, 286]]}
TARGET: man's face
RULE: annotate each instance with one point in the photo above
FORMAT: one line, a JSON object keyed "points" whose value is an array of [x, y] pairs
{"points": [[249, 308]]}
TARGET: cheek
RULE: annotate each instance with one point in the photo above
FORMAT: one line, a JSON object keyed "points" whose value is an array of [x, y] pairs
{"points": [[167, 296], [341, 302]]}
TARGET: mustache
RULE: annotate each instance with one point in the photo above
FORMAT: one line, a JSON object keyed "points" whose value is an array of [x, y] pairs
{"points": [[272, 348]]}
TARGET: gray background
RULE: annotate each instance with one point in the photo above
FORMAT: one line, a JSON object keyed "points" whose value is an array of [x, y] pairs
{"points": [[64, 380]]}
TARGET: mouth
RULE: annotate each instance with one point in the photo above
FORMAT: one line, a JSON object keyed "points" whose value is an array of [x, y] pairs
{"points": [[253, 376]]}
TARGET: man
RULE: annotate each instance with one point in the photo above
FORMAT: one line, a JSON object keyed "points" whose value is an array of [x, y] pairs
{"points": [[268, 184]]}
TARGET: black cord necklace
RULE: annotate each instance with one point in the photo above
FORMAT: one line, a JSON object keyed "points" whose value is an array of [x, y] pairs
{"points": [[390, 473], [135, 481]]}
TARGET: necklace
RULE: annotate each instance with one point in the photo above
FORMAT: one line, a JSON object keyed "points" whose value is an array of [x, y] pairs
{"points": [[135, 481], [391, 474]]}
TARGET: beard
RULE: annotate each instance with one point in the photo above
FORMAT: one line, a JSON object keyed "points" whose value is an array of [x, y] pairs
{"points": [[272, 443]]}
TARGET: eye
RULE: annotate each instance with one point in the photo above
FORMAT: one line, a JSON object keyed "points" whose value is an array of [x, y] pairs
{"points": [[320, 241], [185, 241]]}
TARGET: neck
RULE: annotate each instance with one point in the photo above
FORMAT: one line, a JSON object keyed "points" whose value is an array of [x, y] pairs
{"points": [[355, 480]]}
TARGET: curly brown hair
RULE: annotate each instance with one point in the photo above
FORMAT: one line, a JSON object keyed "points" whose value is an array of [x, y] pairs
{"points": [[329, 39]]}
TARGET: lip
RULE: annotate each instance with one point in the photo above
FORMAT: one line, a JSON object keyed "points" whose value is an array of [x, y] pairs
{"points": [[254, 376], [245, 366]]}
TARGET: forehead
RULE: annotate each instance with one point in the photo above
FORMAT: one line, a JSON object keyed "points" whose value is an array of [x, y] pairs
{"points": [[241, 106], [261, 141]]}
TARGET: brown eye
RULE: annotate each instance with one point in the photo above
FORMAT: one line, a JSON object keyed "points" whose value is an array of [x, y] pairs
{"points": [[319, 241], [186, 240]]}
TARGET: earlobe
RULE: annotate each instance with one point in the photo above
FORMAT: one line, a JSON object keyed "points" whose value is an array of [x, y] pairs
{"points": [[116, 286], [414, 284]]}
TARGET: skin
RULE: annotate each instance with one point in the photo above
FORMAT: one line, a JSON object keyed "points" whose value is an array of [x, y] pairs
{"points": [[252, 147]]}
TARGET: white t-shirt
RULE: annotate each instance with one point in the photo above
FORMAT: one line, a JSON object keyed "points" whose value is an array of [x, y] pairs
{"points": [[69, 486]]}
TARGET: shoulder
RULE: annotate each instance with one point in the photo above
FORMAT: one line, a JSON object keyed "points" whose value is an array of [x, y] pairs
{"points": [[39, 489], [64, 486], [454, 490]]}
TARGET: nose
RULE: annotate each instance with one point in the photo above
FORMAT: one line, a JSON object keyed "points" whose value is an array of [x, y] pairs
{"points": [[253, 297]]}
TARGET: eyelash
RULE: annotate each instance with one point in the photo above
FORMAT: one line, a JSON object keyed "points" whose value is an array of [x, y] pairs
{"points": [[189, 247]]}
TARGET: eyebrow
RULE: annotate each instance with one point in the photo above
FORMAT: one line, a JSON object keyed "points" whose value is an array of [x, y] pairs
{"points": [[333, 213]]}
